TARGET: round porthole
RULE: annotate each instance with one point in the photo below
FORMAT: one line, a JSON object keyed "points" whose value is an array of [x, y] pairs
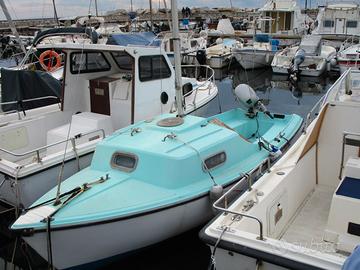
{"points": [[164, 97]]}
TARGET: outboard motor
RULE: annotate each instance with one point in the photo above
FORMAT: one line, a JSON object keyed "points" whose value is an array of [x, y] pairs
{"points": [[201, 57], [248, 99], [297, 60]]}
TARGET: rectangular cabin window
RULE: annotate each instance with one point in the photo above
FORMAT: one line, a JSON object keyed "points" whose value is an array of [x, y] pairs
{"points": [[87, 62], [351, 24], [328, 23], [124, 161], [123, 60], [153, 67], [215, 160]]}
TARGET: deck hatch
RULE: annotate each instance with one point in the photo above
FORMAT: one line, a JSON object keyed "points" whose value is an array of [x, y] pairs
{"points": [[124, 161]]}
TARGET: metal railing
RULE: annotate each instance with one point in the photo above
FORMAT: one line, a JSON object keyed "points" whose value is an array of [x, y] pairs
{"points": [[246, 178], [20, 102], [209, 79], [343, 84], [347, 140], [38, 150]]}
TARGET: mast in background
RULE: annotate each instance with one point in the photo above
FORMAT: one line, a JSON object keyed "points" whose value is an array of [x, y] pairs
{"points": [[12, 25], [151, 16], [96, 9], [55, 13]]}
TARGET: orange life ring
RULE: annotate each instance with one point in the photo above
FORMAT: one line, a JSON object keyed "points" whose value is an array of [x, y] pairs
{"points": [[50, 54]]}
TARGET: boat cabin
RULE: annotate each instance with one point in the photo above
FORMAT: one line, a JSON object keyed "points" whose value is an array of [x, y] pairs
{"points": [[339, 19], [102, 79], [286, 17]]}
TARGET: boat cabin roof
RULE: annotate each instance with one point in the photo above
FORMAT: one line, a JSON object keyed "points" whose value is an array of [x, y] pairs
{"points": [[103, 47]]}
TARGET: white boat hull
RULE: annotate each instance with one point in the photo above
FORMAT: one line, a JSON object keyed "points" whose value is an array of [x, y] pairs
{"points": [[345, 67], [104, 240], [254, 59], [303, 71], [32, 187], [219, 61]]}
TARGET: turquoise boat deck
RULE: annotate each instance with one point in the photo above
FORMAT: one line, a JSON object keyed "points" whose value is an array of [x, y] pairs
{"points": [[163, 166]]}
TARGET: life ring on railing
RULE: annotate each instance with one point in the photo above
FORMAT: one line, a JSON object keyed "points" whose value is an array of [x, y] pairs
{"points": [[50, 55]]}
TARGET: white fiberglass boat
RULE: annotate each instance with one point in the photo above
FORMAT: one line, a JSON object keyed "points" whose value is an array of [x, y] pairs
{"points": [[304, 212], [349, 58], [220, 54], [310, 58], [105, 88], [257, 55]]}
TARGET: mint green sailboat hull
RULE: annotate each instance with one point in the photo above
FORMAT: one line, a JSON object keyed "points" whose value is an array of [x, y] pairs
{"points": [[161, 190]]}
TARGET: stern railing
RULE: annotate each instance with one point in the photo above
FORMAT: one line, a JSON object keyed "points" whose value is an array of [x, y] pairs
{"points": [[208, 79]]}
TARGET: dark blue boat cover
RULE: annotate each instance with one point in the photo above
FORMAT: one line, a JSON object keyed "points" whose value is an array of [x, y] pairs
{"points": [[20, 85], [353, 261], [140, 38]]}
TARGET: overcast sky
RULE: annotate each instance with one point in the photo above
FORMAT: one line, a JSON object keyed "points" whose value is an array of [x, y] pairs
{"points": [[20, 9]]}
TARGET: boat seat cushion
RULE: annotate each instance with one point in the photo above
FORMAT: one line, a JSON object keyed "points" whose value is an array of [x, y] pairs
{"points": [[350, 187]]}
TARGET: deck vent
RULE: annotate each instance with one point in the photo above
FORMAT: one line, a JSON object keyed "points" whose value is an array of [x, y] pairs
{"points": [[170, 122]]}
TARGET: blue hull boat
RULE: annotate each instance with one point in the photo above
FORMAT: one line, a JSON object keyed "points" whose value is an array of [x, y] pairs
{"points": [[149, 182]]}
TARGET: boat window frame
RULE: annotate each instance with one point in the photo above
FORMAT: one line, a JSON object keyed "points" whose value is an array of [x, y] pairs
{"points": [[351, 22], [152, 78], [122, 168], [332, 23], [205, 167], [117, 64], [72, 71]]}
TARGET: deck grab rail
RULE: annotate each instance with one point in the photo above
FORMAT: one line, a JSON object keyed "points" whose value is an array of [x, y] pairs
{"points": [[247, 178]]}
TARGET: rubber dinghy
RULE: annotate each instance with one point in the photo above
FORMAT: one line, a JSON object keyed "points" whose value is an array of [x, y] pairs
{"points": [[152, 181]]}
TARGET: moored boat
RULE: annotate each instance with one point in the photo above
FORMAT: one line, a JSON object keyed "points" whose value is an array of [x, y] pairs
{"points": [[310, 58], [121, 197], [106, 87], [302, 214]]}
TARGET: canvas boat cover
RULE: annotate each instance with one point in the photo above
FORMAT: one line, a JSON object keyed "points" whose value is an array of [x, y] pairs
{"points": [[20, 85], [138, 39]]}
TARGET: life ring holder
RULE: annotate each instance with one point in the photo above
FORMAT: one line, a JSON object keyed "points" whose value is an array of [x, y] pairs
{"points": [[50, 54]]}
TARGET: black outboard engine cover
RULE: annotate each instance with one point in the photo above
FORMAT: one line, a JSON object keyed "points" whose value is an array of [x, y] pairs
{"points": [[201, 57]]}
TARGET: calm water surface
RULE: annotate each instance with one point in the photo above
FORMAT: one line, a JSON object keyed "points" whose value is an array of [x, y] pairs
{"points": [[187, 251]]}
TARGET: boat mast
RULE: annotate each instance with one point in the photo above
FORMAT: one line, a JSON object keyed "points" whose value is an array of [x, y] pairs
{"points": [[151, 17], [167, 15], [176, 40], [55, 13], [96, 9], [12, 25]]}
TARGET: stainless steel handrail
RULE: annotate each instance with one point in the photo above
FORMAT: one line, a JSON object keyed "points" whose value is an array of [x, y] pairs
{"points": [[344, 142], [336, 85], [318, 105], [247, 177], [37, 150], [209, 78], [29, 100]]}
